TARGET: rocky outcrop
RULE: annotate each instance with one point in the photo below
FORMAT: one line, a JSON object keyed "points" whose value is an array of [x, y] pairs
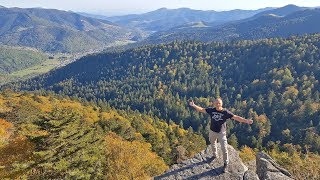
{"points": [[268, 169], [202, 166]]}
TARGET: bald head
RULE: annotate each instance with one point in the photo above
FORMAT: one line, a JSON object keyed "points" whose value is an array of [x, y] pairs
{"points": [[218, 104]]}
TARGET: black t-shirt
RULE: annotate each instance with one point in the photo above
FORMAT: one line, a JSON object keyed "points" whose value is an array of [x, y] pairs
{"points": [[218, 119]]}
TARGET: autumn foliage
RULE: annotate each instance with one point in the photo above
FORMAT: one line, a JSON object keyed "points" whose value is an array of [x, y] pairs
{"points": [[131, 160], [49, 137]]}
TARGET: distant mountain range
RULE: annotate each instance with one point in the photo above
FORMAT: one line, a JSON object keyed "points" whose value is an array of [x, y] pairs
{"points": [[59, 31], [281, 22], [164, 19]]}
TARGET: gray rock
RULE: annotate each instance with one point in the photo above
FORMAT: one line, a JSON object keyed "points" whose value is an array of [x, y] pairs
{"points": [[251, 165], [250, 175], [201, 167], [268, 169]]}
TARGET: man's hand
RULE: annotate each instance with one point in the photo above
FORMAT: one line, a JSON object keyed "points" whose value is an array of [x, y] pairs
{"points": [[191, 103], [249, 121], [197, 108]]}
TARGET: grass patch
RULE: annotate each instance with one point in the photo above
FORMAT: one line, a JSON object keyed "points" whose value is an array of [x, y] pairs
{"points": [[29, 72], [44, 67]]}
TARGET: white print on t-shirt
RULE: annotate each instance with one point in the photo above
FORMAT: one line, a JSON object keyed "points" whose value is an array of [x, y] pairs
{"points": [[217, 116]]}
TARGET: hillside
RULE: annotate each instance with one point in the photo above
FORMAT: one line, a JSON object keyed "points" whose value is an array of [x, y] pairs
{"points": [[18, 63], [14, 59], [59, 31], [273, 81], [21, 63], [274, 24], [50, 137], [164, 19], [46, 137]]}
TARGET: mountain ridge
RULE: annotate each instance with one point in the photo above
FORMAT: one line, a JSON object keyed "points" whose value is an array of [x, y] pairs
{"points": [[262, 26], [54, 30], [163, 18], [282, 11]]}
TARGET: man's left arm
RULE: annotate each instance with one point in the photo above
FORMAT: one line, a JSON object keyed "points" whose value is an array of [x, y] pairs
{"points": [[241, 119]]}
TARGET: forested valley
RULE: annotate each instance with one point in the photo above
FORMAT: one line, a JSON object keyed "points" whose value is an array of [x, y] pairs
{"points": [[273, 81], [88, 96]]}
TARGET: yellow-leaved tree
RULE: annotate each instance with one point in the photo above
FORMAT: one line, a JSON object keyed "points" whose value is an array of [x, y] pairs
{"points": [[131, 160], [13, 148], [247, 154], [4, 131]]}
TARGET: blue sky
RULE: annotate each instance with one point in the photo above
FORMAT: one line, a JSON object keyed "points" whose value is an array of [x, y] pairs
{"points": [[117, 7]]}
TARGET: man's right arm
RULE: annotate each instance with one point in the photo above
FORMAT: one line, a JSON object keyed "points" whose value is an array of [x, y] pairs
{"points": [[197, 108]]}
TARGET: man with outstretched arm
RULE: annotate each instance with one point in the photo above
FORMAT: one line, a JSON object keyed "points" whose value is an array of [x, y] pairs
{"points": [[219, 116]]}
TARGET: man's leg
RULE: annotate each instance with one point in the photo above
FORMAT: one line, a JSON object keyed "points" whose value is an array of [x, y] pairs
{"points": [[213, 139], [224, 146]]}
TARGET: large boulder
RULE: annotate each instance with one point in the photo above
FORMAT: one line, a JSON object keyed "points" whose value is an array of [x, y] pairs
{"points": [[201, 167], [268, 169]]}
